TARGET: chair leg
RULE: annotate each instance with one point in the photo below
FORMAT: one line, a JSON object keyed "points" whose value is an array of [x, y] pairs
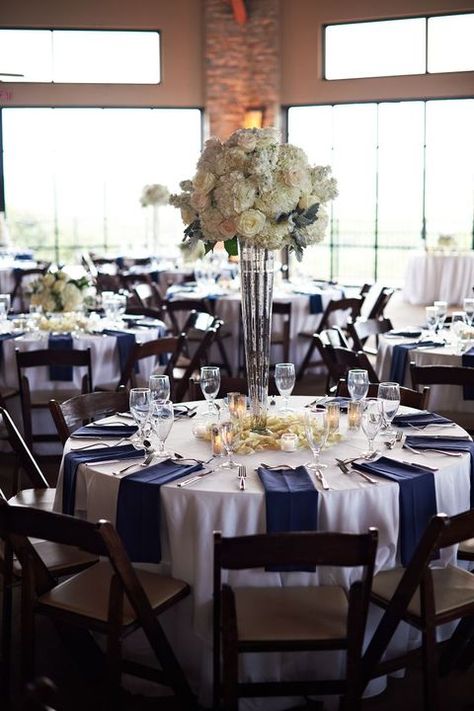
{"points": [[430, 670], [7, 610]]}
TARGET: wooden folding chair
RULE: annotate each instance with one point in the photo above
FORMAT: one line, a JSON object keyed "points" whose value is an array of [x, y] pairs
{"points": [[441, 375], [361, 330], [111, 597], [408, 397]]}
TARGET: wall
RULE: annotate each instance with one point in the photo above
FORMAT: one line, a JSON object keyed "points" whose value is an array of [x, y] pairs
{"points": [[180, 22]]}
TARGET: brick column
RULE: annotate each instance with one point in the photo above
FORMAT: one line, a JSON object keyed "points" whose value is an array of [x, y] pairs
{"points": [[242, 64]]}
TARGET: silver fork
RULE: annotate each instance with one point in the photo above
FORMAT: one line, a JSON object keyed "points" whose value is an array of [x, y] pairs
{"points": [[148, 459], [345, 470], [437, 451], [100, 444]]}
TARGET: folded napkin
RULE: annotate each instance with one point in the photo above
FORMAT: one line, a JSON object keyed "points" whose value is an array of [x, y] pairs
{"points": [[72, 460], [420, 419], [407, 333], [468, 362], [183, 411], [125, 344], [291, 500], [343, 402], [6, 337], [60, 342], [138, 508], [399, 358], [451, 444], [417, 498], [315, 304], [106, 431]]}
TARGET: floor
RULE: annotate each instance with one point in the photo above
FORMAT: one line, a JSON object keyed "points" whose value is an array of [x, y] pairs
{"points": [[77, 693]]}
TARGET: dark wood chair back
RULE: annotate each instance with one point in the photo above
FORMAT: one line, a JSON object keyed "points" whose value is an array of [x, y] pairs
{"points": [[441, 375], [108, 282], [408, 397], [131, 279], [170, 347], [27, 462], [362, 329], [197, 359], [302, 550], [378, 309], [21, 279], [148, 296], [68, 416], [348, 359], [350, 305], [178, 311]]}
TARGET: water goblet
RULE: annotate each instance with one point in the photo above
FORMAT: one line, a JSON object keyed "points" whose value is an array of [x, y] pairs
{"points": [[458, 326], [139, 400], [317, 431], [160, 387], [389, 396], [229, 433], [210, 383], [162, 418], [431, 317], [285, 382], [372, 420], [358, 383], [442, 307], [468, 306]]}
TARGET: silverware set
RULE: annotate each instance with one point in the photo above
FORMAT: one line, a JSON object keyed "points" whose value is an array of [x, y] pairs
{"points": [[344, 466]]}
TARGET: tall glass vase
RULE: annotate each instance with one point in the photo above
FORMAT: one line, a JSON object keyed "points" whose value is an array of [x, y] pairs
{"points": [[256, 278]]}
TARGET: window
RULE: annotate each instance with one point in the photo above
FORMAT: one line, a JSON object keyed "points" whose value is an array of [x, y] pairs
{"points": [[74, 177], [81, 56], [399, 47], [405, 175]]}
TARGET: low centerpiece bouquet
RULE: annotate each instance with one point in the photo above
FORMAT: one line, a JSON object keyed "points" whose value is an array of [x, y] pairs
{"points": [[57, 292]]}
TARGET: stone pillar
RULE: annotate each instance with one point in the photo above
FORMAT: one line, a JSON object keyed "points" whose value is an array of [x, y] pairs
{"points": [[242, 64]]}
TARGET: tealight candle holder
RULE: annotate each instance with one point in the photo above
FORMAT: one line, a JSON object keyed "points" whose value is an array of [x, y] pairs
{"points": [[237, 404], [354, 414], [333, 412], [217, 445], [288, 442]]}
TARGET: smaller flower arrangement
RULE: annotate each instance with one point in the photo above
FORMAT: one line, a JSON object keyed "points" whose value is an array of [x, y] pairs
{"points": [[154, 195], [57, 292]]}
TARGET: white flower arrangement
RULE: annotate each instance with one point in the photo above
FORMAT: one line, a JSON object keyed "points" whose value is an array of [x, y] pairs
{"points": [[154, 195], [56, 292], [253, 188]]}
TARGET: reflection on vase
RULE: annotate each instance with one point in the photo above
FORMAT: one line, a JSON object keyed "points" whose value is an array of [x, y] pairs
{"points": [[256, 275]]}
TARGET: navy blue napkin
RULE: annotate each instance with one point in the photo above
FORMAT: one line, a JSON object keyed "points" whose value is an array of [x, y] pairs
{"points": [[399, 358], [73, 459], [6, 337], [451, 444], [138, 508], [468, 362], [106, 431], [417, 498], [420, 419], [60, 342], [315, 304], [125, 343], [414, 333], [291, 500]]}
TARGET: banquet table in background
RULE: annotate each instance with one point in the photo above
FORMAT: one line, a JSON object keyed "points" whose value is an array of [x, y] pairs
{"points": [[7, 272], [191, 514], [439, 277]]}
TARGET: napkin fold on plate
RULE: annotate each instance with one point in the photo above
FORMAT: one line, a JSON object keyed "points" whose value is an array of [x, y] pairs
{"points": [[138, 508], [451, 444], [420, 419], [417, 498], [72, 460], [111, 431]]}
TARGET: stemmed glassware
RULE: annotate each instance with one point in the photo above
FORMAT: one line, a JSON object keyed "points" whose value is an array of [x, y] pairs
{"points": [[139, 400], [389, 396], [210, 384], [162, 418], [358, 383], [317, 431], [432, 318], [442, 307], [285, 382], [160, 387], [372, 421], [468, 305], [458, 325], [229, 432]]}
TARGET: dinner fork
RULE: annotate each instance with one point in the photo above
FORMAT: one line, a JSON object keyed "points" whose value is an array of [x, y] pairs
{"points": [[148, 459], [100, 444], [345, 470]]}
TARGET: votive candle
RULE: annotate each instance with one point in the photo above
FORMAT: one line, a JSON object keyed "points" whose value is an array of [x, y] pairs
{"points": [[354, 414], [237, 404], [332, 413], [216, 441], [288, 442]]}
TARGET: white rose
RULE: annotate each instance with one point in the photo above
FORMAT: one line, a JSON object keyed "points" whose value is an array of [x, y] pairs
{"points": [[296, 177], [227, 228], [204, 181], [244, 195], [250, 222], [200, 200], [246, 139]]}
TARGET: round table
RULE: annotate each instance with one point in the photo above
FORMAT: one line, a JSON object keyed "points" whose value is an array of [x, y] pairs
{"points": [[191, 514], [439, 277]]}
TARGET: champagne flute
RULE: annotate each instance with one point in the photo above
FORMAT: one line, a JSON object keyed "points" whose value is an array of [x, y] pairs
{"points": [[458, 325], [442, 307], [139, 400], [162, 418], [229, 432], [389, 395], [159, 387], [468, 305], [285, 382], [372, 420], [317, 431], [358, 383], [432, 318], [210, 384]]}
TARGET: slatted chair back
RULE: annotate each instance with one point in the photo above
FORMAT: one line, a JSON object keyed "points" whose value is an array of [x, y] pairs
{"points": [[230, 613], [145, 311], [320, 345], [441, 375], [351, 306], [335, 337], [169, 347], [362, 329], [22, 277], [378, 309], [27, 360], [178, 311], [408, 397], [108, 282], [68, 416], [126, 587], [199, 358], [424, 597], [131, 279], [348, 359], [148, 296]]}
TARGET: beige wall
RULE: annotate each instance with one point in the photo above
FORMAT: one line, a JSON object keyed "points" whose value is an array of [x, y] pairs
{"points": [[180, 22], [301, 58]]}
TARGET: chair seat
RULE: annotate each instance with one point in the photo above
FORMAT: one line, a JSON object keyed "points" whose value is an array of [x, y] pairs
{"points": [[58, 557], [35, 498], [87, 593], [453, 588], [467, 546], [300, 613]]}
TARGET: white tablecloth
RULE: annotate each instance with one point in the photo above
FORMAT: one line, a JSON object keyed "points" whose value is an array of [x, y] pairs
{"points": [[439, 277], [191, 515], [446, 399]]}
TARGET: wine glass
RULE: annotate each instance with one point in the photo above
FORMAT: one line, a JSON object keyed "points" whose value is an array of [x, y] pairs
{"points": [[285, 382], [372, 420], [229, 432], [210, 384], [442, 307], [389, 396], [358, 383], [431, 318], [458, 325], [317, 431], [139, 400], [468, 306], [159, 387], [162, 418]]}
